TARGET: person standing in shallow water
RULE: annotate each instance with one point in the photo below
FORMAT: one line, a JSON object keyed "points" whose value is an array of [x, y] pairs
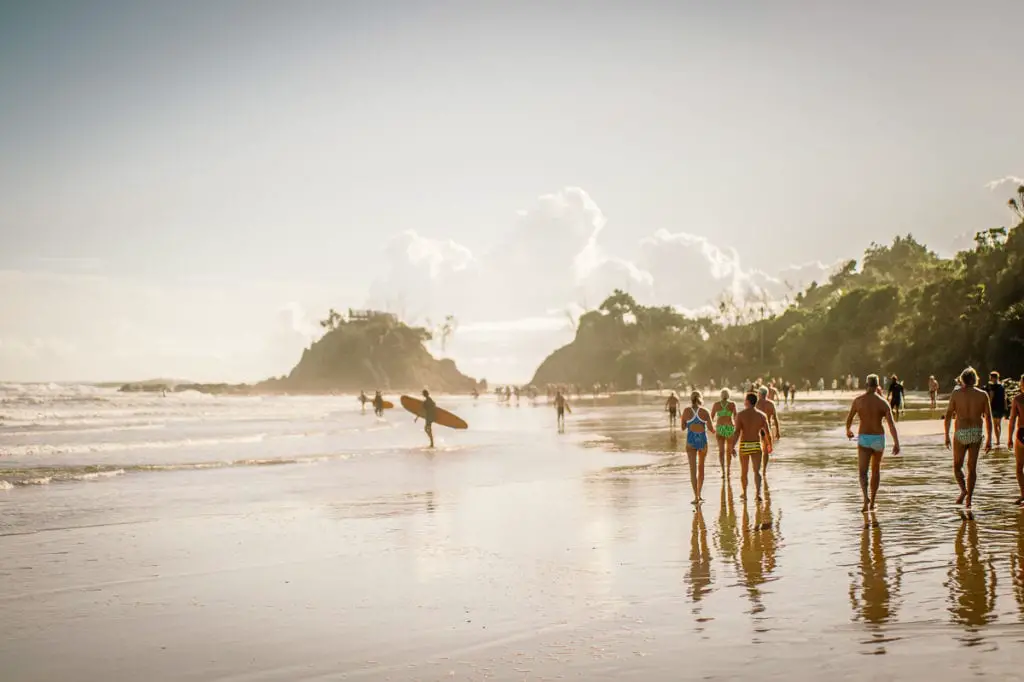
{"points": [[997, 399], [1015, 439], [429, 415], [695, 422], [970, 408], [725, 411], [933, 390], [751, 427], [672, 407], [871, 409], [560, 404], [895, 395]]}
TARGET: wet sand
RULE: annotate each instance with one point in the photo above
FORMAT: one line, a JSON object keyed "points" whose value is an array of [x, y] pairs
{"points": [[517, 553]]}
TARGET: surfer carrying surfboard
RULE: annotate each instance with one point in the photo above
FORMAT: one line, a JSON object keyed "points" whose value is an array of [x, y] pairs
{"points": [[378, 404], [429, 415]]}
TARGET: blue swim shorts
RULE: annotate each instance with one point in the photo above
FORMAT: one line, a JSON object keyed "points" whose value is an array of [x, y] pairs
{"points": [[872, 441]]}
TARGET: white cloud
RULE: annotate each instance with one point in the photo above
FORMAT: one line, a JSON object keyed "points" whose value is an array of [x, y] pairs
{"points": [[1002, 181]]}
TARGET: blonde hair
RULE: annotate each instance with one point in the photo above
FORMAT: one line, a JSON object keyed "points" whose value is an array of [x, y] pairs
{"points": [[696, 398], [725, 394]]}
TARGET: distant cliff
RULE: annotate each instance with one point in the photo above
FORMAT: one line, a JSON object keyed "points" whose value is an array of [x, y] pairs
{"points": [[367, 352]]}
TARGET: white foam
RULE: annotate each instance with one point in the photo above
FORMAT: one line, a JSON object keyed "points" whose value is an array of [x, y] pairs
{"points": [[4, 485]]}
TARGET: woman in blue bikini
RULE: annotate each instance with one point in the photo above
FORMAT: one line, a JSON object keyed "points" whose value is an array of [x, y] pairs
{"points": [[695, 421]]}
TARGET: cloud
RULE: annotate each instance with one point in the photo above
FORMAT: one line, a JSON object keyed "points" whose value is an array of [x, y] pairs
{"points": [[995, 184]]}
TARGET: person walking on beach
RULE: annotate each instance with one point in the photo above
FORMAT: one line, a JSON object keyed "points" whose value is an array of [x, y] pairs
{"points": [[767, 406], [1015, 439], [725, 412], [378, 404], [871, 409], [751, 427], [429, 415], [970, 408], [895, 395], [997, 399], [672, 407], [561, 403], [933, 390], [363, 399], [695, 420]]}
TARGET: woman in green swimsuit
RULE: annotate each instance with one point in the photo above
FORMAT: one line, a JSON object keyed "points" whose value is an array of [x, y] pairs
{"points": [[724, 411]]}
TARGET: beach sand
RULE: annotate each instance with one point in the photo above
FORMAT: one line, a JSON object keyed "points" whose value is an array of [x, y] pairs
{"points": [[513, 552]]}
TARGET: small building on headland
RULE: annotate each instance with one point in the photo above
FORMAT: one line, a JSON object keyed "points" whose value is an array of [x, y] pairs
{"points": [[367, 315]]}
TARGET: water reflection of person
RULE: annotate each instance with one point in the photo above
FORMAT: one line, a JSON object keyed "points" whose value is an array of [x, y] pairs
{"points": [[972, 580], [1017, 564], [875, 605], [699, 577], [757, 553], [728, 538]]}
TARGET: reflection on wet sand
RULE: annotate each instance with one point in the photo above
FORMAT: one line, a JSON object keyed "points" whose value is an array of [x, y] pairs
{"points": [[1017, 565], [758, 552], [874, 593], [727, 538], [698, 578], [972, 583]]}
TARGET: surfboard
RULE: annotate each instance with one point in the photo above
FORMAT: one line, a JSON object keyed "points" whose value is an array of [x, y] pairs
{"points": [[387, 404], [443, 417]]}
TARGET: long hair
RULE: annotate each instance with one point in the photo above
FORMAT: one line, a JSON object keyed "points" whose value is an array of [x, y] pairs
{"points": [[696, 399]]}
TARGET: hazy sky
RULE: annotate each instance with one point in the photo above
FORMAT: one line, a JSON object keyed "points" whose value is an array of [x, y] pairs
{"points": [[186, 186]]}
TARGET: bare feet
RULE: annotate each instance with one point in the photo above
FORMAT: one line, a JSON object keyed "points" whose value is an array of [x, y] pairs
{"points": [[960, 500], [1019, 500], [864, 509], [967, 503], [872, 504]]}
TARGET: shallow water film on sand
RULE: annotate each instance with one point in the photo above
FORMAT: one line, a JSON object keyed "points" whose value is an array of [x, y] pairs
{"points": [[201, 538]]}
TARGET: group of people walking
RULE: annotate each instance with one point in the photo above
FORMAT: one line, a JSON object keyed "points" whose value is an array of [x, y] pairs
{"points": [[748, 433], [751, 432]]}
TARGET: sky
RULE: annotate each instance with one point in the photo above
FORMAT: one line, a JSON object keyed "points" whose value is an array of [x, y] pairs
{"points": [[186, 188]]}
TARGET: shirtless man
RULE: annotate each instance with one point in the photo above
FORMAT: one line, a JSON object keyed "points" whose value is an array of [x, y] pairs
{"points": [[871, 409], [751, 425], [672, 407], [429, 415], [1015, 440], [933, 390], [970, 407], [560, 405], [765, 405]]}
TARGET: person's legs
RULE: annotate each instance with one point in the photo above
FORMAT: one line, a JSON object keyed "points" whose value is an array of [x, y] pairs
{"points": [[744, 466], [997, 426], [972, 471], [691, 458], [721, 453], [959, 450], [1018, 457], [876, 475], [863, 461], [755, 458], [701, 457], [429, 428]]}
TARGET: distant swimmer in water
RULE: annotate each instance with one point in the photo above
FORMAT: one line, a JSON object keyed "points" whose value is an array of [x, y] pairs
{"points": [[970, 408], [1015, 439], [766, 405], [751, 427], [378, 404], [561, 403], [997, 399], [895, 395], [672, 407], [871, 409], [725, 412], [933, 390], [695, 421], [429, 415]]}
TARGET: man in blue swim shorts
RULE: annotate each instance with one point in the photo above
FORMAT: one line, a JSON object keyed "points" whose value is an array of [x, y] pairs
{"points": [[871, 409]]}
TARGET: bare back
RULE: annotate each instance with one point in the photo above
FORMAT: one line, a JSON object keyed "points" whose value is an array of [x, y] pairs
{"points": [[749, 424], [969, 406], [871, 410]]}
